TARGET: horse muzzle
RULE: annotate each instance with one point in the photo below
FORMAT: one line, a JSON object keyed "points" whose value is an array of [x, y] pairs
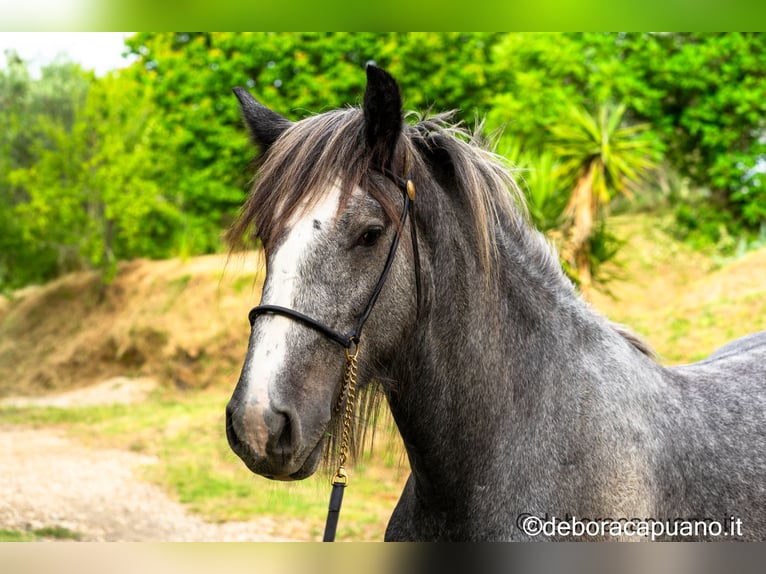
{"points": [[269, 442]]}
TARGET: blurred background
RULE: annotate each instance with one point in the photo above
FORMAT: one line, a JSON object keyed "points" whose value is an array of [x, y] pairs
{"points": [[123, 321]]}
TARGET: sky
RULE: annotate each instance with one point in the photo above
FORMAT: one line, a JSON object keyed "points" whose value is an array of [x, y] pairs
{"points": [[99, 51]]}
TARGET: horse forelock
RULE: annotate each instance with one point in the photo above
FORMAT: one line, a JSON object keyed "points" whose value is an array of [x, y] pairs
{"points": [[312, 157], [320, 151]]}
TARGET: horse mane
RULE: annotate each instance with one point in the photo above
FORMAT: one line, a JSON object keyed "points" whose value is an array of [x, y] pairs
{"points": [[480, 176], [635, 340]]}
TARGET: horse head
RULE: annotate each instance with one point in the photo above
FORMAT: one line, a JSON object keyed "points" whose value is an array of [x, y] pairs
{"points": [[328, 208]]}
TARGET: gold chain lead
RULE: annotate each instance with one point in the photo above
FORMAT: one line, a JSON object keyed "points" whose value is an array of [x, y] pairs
{"points": [[349, 392]]}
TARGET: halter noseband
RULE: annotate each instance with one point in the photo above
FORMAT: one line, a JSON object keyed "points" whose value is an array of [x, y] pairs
{"points": [[347, 340]]}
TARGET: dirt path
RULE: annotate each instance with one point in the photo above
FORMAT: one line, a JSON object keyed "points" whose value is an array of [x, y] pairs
{"points": [[49, 480]]}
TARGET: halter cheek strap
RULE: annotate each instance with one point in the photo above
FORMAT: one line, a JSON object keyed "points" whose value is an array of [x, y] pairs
{"points": [[347, 340]]}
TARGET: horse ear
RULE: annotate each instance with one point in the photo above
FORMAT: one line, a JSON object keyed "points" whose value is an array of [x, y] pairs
{"points": [[264, 125], [382, 115]]}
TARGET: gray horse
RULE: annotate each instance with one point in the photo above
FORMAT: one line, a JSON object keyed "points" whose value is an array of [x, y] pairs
{"points": [[519, 406]]}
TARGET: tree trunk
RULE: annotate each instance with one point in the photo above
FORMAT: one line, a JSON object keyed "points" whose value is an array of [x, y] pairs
{"points": [[581, 213]]}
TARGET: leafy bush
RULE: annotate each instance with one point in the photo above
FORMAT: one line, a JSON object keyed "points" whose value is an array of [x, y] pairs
{"points": [[702, 94], [152, 161]]}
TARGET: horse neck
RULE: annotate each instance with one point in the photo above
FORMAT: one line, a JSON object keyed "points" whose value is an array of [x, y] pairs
{"points": [[491, 360]]}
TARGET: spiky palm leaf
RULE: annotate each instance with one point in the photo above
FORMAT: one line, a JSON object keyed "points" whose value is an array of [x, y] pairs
{"points": [[600, 158]]}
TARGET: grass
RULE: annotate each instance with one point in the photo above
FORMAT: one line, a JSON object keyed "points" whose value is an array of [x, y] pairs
{"points": [[186, 432], [703, 328], [244, 282], [45, 533], [17, 536]]}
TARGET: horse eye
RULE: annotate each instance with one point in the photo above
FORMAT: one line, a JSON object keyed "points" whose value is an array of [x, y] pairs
{"points": [[370, 237]]}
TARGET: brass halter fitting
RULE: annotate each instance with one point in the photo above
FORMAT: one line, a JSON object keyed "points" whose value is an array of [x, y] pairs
{"points": [[411, 190]]}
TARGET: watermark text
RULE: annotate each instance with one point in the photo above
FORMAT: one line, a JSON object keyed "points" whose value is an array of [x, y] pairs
{"points": [[625, 528]]}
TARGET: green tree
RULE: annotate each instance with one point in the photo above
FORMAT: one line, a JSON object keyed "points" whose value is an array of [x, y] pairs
{"points": [[704, 96], [711, 111], [297, 74], [92, 196], [24, 101], [62, 147]]}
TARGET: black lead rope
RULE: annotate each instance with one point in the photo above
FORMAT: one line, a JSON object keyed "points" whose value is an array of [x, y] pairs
{"points": [[333, 513], [351, 339]]}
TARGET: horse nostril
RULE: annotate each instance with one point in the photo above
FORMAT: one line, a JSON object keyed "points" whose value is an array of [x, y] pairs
{"points": [[280, 433], [285, 441], [266, 439]]}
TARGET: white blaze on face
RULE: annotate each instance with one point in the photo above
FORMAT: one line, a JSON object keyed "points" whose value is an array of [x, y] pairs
{"points": [[270, 351]]}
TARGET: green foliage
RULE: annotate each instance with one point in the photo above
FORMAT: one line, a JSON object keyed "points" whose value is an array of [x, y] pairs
{"points": [[24, 101], [588, 160], [600, 158], [152, 161], [46, 532], [619, 155], [16, 536], [603, 247], [535, 76], [57, 532], [296, 74], [538, 177], [710, 109], [704, 96], [91, 196]]}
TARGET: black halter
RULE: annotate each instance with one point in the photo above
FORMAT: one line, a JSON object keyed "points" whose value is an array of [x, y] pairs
{"points": [[351, 338]]}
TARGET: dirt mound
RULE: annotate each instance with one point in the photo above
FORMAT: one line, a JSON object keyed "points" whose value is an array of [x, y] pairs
{"points": [[685, 304], [184, 323], [740, 279], [178, 322]]}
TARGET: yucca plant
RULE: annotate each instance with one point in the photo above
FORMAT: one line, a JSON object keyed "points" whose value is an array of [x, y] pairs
{"points": [[536, 174], [600, 158], [546, 197]]}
